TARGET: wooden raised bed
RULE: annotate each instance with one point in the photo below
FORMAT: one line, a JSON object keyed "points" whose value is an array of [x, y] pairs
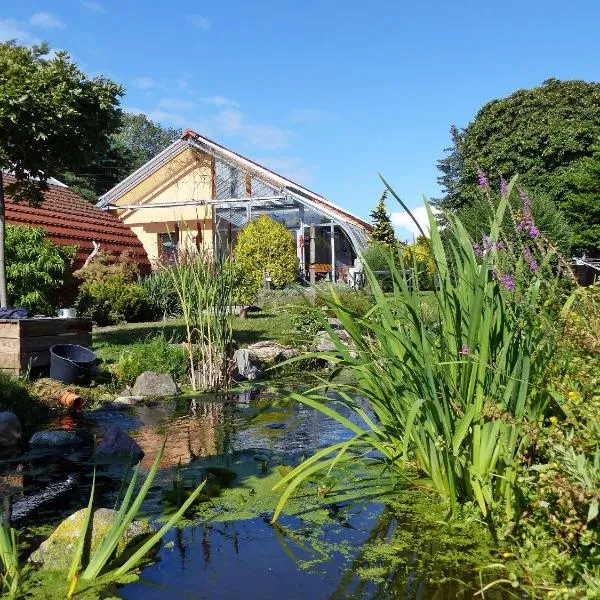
{"points": [[25, 343]]}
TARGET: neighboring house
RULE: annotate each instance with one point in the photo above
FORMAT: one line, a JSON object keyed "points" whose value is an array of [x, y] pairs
{"points": [[70, 220], [198, 194]]}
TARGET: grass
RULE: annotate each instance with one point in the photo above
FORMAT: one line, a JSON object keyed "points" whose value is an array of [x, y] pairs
{"points": [[109, 342]]}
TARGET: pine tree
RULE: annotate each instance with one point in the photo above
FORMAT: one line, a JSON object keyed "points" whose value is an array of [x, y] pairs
{"points": [[383, 231]]}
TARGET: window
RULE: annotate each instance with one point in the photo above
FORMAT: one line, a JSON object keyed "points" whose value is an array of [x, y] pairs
{"points": [[168, 245]]}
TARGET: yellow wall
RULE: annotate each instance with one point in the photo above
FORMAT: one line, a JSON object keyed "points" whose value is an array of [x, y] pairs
{"points": [[185, 178]]}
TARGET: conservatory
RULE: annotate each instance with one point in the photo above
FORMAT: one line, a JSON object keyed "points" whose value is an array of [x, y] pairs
{"points": [[197, 193]]}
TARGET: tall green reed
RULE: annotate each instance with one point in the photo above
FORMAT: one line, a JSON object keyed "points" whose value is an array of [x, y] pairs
{"points": [[205, 286], [102, 561], [9, 557], [456, 398]]}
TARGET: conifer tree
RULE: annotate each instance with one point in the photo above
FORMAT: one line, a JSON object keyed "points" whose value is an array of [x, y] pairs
{"points": [[383, 231]]}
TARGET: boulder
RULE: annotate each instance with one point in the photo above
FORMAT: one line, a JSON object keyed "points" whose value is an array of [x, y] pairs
{"points": [[150, 383], [10, 429], [118, 442], [246, 367], [128, 400], [271, 352], [324, 343], [55, 438], [57, 551]]}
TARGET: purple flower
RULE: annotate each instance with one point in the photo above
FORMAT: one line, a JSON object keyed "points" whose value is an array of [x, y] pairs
{"points": [[477, 250], [533, 231], [465, 349], [533, 266], [507, 282], [503, 186], [483, 181], [526, 202]]}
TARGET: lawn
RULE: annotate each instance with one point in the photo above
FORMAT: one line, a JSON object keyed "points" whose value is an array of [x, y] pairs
{"points": [[109, 342]]}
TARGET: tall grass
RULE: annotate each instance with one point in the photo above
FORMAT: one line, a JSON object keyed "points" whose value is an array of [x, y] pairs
{"points": [[456, 398], [205, 287], [9, 556], [102, 560]]}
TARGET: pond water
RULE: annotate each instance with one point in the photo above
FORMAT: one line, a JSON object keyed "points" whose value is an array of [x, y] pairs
{"points": [[229, 549]]}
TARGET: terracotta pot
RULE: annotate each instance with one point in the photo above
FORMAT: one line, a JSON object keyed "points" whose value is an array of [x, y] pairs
{"points": [[72, 401]]}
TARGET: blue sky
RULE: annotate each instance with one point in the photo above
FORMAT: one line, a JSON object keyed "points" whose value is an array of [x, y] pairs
{"points": [[328, 92]]}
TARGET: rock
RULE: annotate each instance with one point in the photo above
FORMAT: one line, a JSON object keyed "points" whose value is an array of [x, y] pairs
{"points": [[57, 551], [150, 383], [324, 343], [245, 366], [271, 352], [118, 442], [55, 438], [10, 429], [128, 400]]}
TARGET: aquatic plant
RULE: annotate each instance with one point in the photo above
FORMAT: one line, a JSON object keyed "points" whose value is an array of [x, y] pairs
{"points": [[101, 560], [456, 398], [205, 287], [9, 556]]}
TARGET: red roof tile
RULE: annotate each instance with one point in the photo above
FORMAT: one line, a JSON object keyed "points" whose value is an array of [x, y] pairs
{"points": [[71, 220]]}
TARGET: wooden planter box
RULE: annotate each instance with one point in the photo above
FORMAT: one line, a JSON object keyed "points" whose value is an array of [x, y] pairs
{"points": [[25, 343]]}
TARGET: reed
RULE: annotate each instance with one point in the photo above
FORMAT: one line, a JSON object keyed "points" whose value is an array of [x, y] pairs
{"points": [[457, 398], [204, 286], [102, 561], [9, 556]]}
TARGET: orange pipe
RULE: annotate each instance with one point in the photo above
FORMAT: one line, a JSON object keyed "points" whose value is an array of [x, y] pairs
{"points": [[72, 401]]}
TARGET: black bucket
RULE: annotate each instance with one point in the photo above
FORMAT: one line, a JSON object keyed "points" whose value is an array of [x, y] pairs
{"points": [[71, 363]]}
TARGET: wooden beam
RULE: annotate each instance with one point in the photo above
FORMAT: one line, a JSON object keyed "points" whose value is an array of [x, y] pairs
{"points": [[213, 178], [248, 185], [313, 254], [332, 239]]}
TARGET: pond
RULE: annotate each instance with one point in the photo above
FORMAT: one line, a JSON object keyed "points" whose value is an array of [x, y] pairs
{"points": [[370, 537]]}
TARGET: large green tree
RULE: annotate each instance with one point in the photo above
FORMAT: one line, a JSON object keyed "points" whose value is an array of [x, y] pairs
{"points": [[52, 119], [144, 138], [542, 134], [137, 140]]}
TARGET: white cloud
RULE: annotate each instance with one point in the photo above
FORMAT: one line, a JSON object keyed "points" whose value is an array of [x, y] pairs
{"points": [[306, 115], [220, 101], [11, 30], [405, 226], [199, 22], [45, 20], [94, 7], [175, 104], [144, 83]]}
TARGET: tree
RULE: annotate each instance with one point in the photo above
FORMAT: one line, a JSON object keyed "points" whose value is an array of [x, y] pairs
{"points": [[262, 246], [137, 140], [103, 172], [35, 267], [52, 119], [144, 138], [542, 134], [383, 231], [583, 204], [451, 167]]}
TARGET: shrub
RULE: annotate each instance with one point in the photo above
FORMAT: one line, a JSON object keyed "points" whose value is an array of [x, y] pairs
{"points": [[36, 268], [419, 258], [263, 245], [376, 257], [108, 293], [306, 321], [162, 297], [155, 354]]}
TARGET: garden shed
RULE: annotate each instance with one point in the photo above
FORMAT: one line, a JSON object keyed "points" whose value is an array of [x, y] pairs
{"points": [[197, 193]]}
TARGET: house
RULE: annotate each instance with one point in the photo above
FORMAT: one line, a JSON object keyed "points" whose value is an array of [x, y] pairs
{"points": [[199, 194], [71, 220]]}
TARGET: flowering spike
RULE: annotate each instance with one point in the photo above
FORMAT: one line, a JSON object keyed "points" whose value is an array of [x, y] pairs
{"points": [[483, 181]]}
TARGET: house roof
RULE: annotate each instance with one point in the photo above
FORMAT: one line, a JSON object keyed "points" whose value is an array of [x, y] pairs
{"points": [[69, 220], [192, 139]]}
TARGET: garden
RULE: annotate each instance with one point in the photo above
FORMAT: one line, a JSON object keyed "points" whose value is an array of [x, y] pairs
{"points": [[433, 434]]}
